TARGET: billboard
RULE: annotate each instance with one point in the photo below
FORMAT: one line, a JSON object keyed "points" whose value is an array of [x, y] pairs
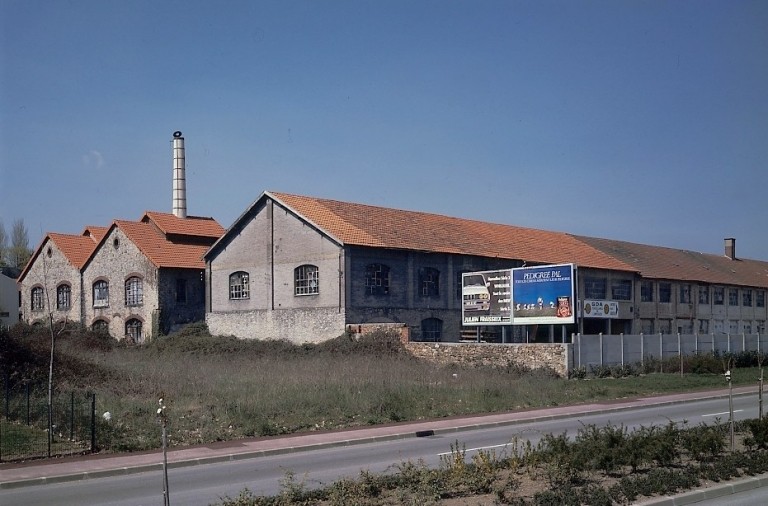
{"points": [[543, 295], [599, 309], [486, 298]]}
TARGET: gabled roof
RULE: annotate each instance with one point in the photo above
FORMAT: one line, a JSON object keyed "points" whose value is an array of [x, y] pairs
{"points": [[97, 233], [667, 263], [364, 225], [196, 226], [75, 248], [158, 249]]}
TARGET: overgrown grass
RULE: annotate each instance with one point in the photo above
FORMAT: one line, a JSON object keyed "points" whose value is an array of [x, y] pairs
{"points": [[221, 388]]}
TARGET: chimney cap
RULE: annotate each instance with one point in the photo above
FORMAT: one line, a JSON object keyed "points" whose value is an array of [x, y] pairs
{"points": [[177, 134]]}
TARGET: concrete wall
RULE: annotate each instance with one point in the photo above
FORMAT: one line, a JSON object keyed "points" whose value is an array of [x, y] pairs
{"points": [[533, 356]]}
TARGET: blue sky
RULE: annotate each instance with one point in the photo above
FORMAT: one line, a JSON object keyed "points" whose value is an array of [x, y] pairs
{"points": [[644, 121]]}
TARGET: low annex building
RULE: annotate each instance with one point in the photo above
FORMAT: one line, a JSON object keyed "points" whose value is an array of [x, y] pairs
{"points": [[132, 279], [303, 269]]}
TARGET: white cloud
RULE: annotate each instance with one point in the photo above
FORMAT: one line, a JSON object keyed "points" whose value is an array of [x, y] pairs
{"points": [[93, 159]]}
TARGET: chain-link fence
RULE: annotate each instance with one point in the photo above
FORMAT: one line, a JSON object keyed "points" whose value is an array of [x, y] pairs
{"points": [[26, 418]]}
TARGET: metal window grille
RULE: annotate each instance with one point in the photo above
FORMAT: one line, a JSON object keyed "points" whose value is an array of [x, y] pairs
{"points": [[100, 294], [377, 279], [239, 287], [306, 280], [63, 297], [133, 331], [134, 292], [37, 299]]}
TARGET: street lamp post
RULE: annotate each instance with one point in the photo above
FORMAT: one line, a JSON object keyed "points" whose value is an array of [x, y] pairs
{"points": [[164, 422]]}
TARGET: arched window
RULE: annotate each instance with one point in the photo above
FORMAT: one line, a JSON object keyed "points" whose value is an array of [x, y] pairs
{"points": [[101, 294], [63, 297], [134, 291], [431, 329], [38, 301], [429, 282], [377, 279], [100, 327], [239, 286], [306, 280], [133, 331]]}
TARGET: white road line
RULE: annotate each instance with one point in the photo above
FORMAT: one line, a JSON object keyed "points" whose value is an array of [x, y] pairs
{"points": [[476, 449], [724, 413]]}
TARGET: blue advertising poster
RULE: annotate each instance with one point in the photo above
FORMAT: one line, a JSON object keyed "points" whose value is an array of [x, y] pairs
{"points": [[543, 295]]}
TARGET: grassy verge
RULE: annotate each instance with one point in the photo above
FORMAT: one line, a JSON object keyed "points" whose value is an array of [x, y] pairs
{"points": [[219, 388]]}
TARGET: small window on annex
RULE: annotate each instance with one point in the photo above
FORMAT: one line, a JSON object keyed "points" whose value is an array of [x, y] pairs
{"points": [[718, 295], [306, 280], [733, 296], [134, 291], [429, 282], [703, 295], [703, 326], [760, 298], [621, 289], [101, 294], [133, 331], [665, 293], [63, 297], [100, 327], [646, 291], [377, 279], [746, 298], [37, 299], [239, 286], [431, 329], [595, 288]]}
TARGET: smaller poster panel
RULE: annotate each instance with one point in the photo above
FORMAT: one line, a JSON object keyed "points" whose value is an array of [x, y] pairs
{"points": [[600, 309], [543, 295], [486, 298]]}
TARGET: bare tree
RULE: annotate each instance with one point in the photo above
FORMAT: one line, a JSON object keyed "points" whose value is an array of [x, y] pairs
{"points": [[20, 252], [3, 245]]}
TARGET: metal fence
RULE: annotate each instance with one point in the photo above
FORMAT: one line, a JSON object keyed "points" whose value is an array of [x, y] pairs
{"points": [[24, 425], [610, 350]]}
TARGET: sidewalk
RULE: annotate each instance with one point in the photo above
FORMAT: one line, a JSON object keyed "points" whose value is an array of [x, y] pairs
{"points": [[13, 475]]}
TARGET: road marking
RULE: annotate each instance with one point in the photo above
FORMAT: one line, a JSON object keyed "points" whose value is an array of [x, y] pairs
{"points": [[724, 413], [476, 449]]}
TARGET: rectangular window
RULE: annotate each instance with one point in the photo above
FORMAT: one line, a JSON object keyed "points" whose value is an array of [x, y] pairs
{"points": [[181, 291], [665, 326], [703, 326], [594, 288], [63, 297], [646, 291], [760, 299], [134, 292], [37, 299], [733, 296], [718, 295], [621, 289], [429, 279], [760, 326], [665, 292], [646, 326], [685, 294], [306, 280], [703, 295], [746, 298]]}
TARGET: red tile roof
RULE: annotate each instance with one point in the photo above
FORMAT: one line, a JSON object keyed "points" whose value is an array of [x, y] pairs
{"points": [[97, 233], [159, 250], [364, 225], [75, 248], [674, 264], [197, 226]]}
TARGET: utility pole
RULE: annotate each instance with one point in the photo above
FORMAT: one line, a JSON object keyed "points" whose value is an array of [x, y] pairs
{"points": [[164, 422]]}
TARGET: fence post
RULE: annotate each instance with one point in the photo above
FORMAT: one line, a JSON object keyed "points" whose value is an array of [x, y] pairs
{"points": [[93, 422], [578, 336], [642, 350], [622, 349], [680, 353], [72, 416], [713, 343], [26, 399], [661, 352], [602, 363]]}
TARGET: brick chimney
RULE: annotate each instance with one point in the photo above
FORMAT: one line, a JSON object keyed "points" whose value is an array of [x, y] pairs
{"points": [[730, 248]]}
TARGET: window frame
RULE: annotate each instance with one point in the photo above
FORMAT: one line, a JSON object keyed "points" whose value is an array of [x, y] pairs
{"points": [[306, 280], [377, 279], [37, 298], [131, 326], [134, 291], [665, 292], [746, 297], [733, 296], [703, 294], [429, 282], [595, 288], [100, 287], [64, 297], [239, 287], [718, 295], [621, 289], [431, 330], [646, 291]]}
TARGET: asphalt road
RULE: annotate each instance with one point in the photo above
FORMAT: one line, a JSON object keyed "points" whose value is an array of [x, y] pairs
{"points": [[205, 484]]}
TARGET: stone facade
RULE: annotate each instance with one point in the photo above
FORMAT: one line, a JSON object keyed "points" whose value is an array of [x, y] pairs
{"points": [[557, 357]]}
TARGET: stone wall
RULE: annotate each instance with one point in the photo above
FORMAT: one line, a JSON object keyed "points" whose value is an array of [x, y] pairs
{"points": [[557, 357]]}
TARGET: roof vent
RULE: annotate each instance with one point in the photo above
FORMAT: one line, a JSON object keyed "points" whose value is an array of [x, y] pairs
{"points": [[730, 248]]}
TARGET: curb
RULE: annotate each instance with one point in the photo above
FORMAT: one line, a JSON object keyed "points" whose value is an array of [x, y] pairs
{"points": [[715, 492]]}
